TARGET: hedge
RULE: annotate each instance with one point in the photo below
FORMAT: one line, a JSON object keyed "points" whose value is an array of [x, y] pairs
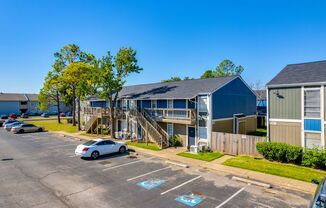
{"points": [[274, 151]]}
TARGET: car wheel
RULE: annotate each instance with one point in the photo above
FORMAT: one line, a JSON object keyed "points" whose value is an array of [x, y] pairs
{"points": [[122, 149], [21, 131], [95, 155], [40, 130]]}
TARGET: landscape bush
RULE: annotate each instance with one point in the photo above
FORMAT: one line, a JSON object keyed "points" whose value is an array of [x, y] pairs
{"points": [[175, 141], [280, 152]]}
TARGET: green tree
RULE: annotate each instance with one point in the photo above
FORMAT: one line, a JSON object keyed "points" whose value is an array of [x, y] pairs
{"points": [[176, 78], [77, 76], [111, 76], [51, 92], [69, 54], [208, 74], [228, 68], [225, 68]]}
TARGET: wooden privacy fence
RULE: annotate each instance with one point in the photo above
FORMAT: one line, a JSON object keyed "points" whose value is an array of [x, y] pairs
{"points": [[235, 144]]}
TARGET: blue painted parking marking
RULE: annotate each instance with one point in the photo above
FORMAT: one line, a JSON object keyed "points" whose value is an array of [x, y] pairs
{"points": [[151, 183], [190, 199]]}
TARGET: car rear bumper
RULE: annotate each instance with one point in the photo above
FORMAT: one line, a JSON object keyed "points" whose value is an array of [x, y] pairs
{"points": [[81, 154]]}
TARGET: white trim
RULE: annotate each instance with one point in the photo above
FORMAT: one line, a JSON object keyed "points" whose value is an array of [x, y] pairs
{"points": [[322, 111], [285, 120], [312, 131], [221, 119], [302, 118], [209, 120], [267, 114], [297, 84]]}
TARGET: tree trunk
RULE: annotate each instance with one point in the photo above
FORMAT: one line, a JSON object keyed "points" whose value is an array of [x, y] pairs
{"points": [[78, 114], [58, 106], [73, 107], [112, 118]]}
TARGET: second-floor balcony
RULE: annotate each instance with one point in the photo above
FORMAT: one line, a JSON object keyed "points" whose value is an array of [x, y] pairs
{"points": [[172, 115]]}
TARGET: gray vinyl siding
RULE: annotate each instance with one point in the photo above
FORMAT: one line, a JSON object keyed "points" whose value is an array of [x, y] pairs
{"points": [[285, 103]]}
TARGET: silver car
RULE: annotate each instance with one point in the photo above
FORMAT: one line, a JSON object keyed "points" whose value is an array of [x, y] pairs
{"points": [[22, 128], [10, 125]]}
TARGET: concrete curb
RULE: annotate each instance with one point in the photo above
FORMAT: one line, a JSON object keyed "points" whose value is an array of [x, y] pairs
{"points": [[257, 183], [177, 164]]}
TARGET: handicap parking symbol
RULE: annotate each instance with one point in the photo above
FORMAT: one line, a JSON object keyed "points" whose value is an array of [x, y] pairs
{"points": [[151, 183], [190, 199]]}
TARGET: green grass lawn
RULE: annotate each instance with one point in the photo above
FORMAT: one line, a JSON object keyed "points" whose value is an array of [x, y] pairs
{"points": [[34, 118], [150, 146], [259, 132], [205, 156], [52, 125], [275, 168]]}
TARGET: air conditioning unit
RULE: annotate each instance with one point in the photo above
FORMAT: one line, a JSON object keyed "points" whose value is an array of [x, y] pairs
{"points": [[194, 149], [202, 147]]}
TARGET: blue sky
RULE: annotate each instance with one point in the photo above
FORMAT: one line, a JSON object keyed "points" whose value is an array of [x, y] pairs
{"points": [[172, 38]]}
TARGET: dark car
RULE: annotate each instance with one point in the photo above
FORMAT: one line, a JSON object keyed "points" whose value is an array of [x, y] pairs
{"points": [[12, 115], [320, 195], [3, 117], [24, 115], [45, 115]]}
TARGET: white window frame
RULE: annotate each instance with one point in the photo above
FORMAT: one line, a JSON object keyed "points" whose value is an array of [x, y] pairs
{"points": [[169, 104], [153, 102], [172, 129], [320, 102]]}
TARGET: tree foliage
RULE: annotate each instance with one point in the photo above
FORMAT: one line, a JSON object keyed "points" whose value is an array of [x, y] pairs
{"points": [[111, 73], [176, 78], [225, 68]]}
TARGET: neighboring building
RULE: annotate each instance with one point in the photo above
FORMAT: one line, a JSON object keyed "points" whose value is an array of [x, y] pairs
{"points": [[261, 108], [191, 109], [19, 103], [296, 105]]}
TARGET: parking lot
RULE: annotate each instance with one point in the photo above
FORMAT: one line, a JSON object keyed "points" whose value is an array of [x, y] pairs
{"points": [[40, 170]]}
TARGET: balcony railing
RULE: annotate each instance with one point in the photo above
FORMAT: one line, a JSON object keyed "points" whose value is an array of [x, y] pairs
{"points": [[185, 116]]}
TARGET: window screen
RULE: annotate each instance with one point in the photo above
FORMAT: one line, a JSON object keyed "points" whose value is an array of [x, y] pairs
{"points": [[312, 103]]}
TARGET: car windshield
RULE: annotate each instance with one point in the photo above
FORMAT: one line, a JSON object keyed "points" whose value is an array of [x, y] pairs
{"points": [[89, 143]]}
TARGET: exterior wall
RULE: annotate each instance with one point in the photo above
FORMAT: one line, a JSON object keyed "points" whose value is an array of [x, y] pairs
{"points": [[285, 103], [163, 125], [251, 124], [223, 126], [7, 107], [179, 104], [233, 98], [33, 108], [161, 103], [285, 132], [181, 131]]}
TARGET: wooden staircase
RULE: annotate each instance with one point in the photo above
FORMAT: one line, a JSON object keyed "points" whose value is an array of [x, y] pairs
{"points": [[152, 129]]}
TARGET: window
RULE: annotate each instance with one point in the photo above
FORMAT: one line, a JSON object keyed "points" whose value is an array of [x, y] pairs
{"points": [[154, 104], [170, 129], [312, 140], [202, 133], [203, 104], [312, 103], [170, 104]]}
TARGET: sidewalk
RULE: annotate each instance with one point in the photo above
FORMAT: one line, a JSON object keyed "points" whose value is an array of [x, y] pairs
{"points": [[216, 166]]}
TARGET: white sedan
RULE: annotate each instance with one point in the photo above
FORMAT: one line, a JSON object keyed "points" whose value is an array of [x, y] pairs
{"points": [[95, 148]]}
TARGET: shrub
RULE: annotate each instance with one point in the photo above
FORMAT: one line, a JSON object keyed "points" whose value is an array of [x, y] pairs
{"points": [[175, 141], [69, 120], [280, 152], [314, 158]]}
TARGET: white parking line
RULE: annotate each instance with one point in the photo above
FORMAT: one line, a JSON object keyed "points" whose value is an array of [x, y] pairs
{"points": [[145, 174], [181, 185], [231, 197], [125, 164]]}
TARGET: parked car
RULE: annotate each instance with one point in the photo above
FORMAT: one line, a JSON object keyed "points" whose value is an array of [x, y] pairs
{"points": [[8, 121], [3, 117], [68, 114], [62, 115], [45, 115], [22, 128], [97, 147], [10, 125], [12, 115], [320, 195], [24, 115]]}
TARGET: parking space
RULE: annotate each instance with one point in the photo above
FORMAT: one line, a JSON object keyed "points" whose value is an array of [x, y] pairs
{"points": [[130, 180]]}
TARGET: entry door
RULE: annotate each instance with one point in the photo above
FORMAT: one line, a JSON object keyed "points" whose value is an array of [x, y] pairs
{"points": [[191, 136]]}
